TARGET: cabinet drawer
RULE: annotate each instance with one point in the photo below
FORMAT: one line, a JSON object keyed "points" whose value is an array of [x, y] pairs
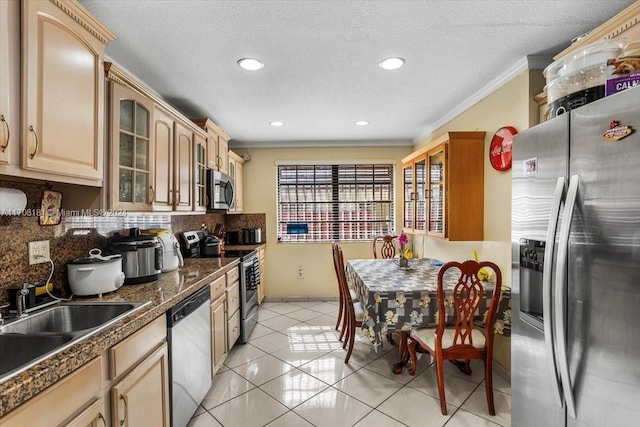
{"points": [[233, 275], [218, 286], [128, 352], [233, 329], [233, 298], [60, 401]]}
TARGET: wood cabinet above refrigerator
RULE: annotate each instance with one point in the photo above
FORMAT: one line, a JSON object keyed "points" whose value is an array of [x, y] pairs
{"points": [[443, 188]]}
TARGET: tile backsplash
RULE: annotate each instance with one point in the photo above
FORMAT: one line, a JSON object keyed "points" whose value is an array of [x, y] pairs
{"points": [[76, 235]]}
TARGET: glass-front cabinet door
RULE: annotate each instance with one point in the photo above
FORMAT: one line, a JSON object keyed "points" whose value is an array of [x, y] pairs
{"points": [[131, 149], [408, 197], [436, 191], [420, 200], [200, 200]]}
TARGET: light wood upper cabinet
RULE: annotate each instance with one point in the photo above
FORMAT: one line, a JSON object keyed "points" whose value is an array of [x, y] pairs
{"points": [[223, 152], [217, 145], [62, 89], [235, 171], [163, 160], [184, 167], [444, 187], [9, 81], [132, 150], [200, 178]]}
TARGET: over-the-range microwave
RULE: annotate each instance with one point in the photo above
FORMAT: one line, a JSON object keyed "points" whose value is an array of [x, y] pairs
{"points": [[220, 189]]}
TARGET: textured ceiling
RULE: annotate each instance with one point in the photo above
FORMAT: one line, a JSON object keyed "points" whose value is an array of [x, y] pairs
{"points": [[321, 59]]}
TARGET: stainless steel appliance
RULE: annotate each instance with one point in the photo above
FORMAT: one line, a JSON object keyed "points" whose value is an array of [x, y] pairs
{"points": [[190, 244], [249, 282], [220, 188], [189, 336], [199, 244], [575, 268], [142, 256]]}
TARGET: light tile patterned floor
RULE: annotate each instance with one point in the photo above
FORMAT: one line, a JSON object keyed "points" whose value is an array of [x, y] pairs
{"points": [[292, 373]]}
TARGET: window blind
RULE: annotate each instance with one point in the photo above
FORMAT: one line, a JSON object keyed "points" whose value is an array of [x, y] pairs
{"points": [[342, 202]]}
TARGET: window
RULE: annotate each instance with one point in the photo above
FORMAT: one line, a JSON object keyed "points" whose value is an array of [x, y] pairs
{"points": [[335, 202]]}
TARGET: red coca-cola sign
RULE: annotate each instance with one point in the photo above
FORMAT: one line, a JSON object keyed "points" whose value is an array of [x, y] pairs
{"points": [[500, 148]]}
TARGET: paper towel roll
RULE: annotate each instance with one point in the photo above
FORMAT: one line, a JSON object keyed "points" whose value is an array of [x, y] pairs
{"points": [[12, 201]]}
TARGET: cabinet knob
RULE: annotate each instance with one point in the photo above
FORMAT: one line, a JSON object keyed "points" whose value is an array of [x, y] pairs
{"points": [[6, 125], [35, 135]]}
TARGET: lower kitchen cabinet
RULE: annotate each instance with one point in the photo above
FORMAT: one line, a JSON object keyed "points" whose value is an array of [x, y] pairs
{"points": [[233, 326], [218, 332], [63, 403], [219, 348], [139, 370], [93, 416], [261, 286], [141, 398]]}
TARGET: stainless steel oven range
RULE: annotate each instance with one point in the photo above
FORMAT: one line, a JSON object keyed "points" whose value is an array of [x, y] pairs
{"points": [[249, 282]]}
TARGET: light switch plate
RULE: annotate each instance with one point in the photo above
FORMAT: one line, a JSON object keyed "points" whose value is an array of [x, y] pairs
{"points": [[39, 252]]}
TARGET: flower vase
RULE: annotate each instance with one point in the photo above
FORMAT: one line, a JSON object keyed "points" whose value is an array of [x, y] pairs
{"points": [[403, 262]]}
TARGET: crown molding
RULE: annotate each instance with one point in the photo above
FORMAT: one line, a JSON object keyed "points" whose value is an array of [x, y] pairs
{"points": [[321, 144], [530, 62]]}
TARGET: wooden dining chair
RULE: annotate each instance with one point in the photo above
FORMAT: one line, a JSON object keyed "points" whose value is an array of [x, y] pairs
{"points": [[461, 340], [352, 311], [388, 247], [343, 298]]}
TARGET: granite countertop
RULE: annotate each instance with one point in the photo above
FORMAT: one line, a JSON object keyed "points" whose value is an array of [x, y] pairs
{"points": [[169, 289]]}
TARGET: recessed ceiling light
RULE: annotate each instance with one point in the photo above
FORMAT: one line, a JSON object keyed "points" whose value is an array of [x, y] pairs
{"points": [[276, 123], [250, 64], [391, 63], [362, 123]]}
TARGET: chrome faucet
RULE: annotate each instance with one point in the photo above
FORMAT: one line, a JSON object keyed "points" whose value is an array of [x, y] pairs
{"points": [[21, 301]]}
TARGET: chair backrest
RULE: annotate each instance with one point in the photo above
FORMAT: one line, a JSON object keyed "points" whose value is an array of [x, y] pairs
{"points": [[338, 263], [388, 248], [467, 296]]}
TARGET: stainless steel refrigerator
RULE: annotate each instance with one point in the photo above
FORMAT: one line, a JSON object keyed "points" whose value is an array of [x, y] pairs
{"points": [[576, 268]]}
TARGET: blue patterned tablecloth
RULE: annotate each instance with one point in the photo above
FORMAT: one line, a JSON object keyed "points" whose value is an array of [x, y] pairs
{"points": [[398, 299]]}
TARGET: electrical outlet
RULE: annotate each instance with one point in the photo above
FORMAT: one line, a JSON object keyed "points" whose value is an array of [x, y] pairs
{"points": [[300, 273], [39, 252]]}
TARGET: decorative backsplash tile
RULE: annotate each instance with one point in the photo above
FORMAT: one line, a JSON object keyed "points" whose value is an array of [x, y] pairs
{"points": [[76, 235]]}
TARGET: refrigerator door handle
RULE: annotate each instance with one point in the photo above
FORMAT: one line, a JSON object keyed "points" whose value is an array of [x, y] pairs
{"points": [[547, 288], [561, 296]]}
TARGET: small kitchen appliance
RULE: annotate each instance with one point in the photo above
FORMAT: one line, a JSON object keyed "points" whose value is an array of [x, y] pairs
{"points": [[251, 236], [209, 246], [142, 256], [171, 255], [95, 274]]}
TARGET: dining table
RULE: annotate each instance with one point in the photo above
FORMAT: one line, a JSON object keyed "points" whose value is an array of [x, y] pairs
{"points": [[399, 299]]}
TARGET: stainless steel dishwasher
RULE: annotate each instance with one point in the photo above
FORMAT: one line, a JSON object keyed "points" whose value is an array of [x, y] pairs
{"points": [[189, 334]]}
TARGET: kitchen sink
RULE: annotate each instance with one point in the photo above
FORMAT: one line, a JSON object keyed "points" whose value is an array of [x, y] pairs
{"points": [[69, 318], [29, 340], [18, 349]]}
